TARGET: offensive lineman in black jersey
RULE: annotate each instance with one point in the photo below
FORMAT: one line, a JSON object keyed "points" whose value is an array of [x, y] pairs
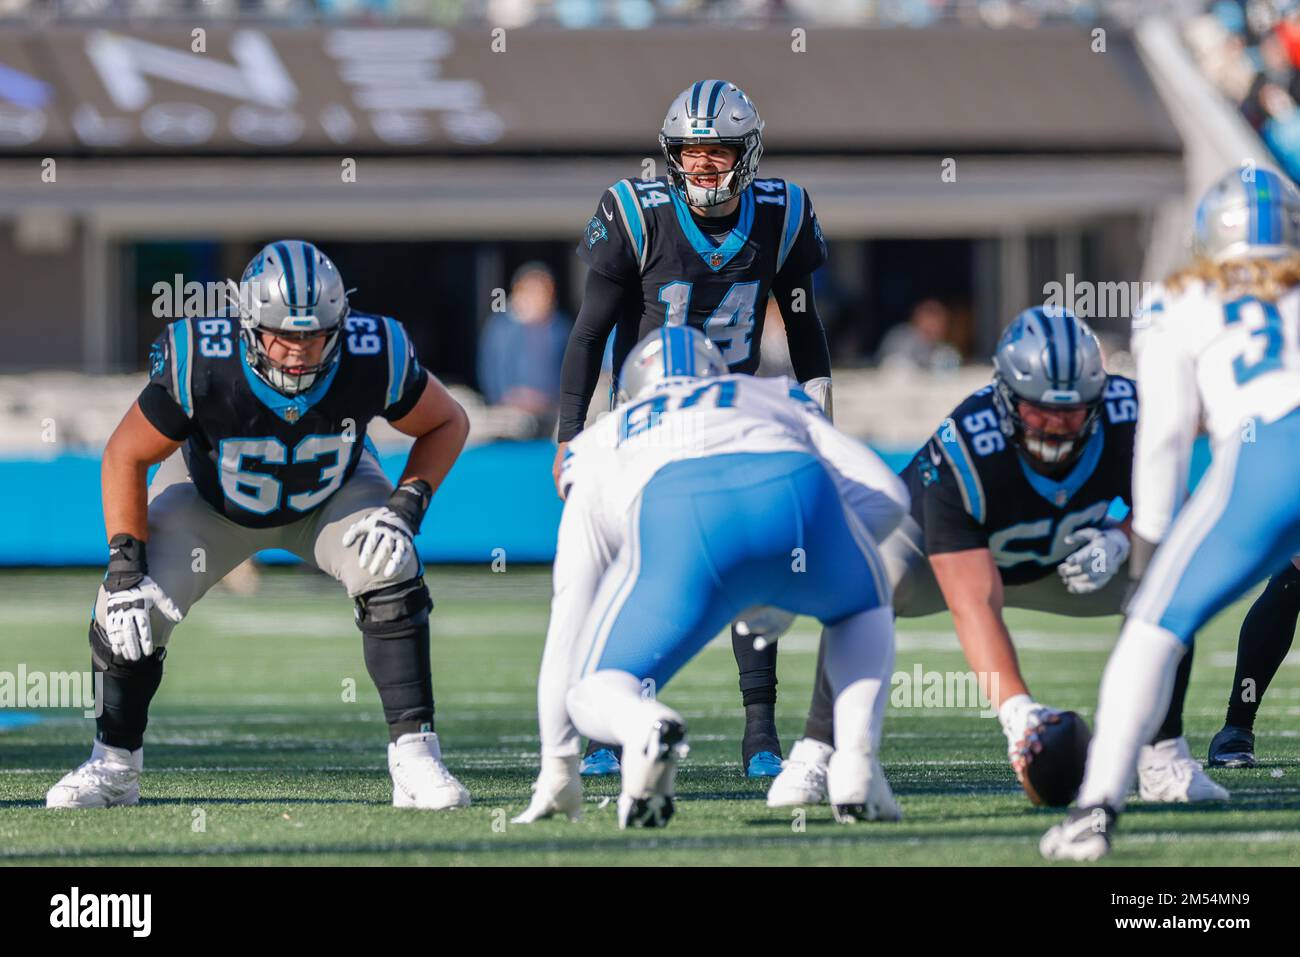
{"points": [[1010, 499], [704, 247], [260, 426]]}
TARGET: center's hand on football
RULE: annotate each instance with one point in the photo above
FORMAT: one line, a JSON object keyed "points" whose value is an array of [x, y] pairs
{"points": [[384, 535], [1092, 566], [127, 622], [1023, 729]]}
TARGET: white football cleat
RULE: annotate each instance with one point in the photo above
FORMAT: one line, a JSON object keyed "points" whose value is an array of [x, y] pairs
{"points": [[420, 779], [858, 791], [803, 775], [1084, 835], [1168, 773], [111, 778], [558, 790], [649, 774]]}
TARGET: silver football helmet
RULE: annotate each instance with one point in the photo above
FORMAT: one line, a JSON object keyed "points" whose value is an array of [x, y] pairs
{"points": [[1248, 212], [292, 289], [1051, 360], [669, 353], [716, 113]]}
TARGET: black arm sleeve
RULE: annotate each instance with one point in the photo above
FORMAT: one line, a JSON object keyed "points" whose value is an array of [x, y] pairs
{"points": [[602, 304], [804, 334]]}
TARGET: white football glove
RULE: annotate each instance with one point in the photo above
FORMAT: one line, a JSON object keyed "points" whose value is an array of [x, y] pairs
{"points": [[766, 623], [1022, 718], [387, 536], [558, 791], [126, 623], [1089, 568]]}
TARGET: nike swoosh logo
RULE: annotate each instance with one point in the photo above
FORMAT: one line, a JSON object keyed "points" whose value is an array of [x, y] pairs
{"points": [[608, 214]]}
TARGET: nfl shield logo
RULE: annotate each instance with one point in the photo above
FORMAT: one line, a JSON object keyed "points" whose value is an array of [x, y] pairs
{"points": [[716, 260], [1062, 496], [291, 414]]}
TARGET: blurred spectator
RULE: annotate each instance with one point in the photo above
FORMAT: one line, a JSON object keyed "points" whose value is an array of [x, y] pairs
{"points": [[521, 349], [923, 341]]}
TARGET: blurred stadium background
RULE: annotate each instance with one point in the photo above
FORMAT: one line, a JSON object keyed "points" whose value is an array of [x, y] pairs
{"points": [[962, 155]]}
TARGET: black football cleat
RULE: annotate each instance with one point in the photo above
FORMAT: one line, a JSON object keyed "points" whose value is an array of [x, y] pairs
{"points": [[1232, 747]]}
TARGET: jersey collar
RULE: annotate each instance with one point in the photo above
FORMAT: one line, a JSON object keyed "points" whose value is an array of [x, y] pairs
{"points": [[1060, 492], [278, 402], [715, 257]]}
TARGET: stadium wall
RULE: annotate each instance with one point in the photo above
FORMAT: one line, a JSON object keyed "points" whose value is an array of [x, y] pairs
{"points": [[499, 496]]}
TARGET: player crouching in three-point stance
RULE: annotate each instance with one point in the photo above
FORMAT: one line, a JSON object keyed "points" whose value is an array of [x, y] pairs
{"points": [[1010, 499], [1219, 340], [701, 496], [271, 420]]}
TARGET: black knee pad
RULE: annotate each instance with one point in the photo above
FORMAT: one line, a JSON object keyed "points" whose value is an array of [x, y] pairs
{"points": [[394, 611], [129, 687], [394, 622]]}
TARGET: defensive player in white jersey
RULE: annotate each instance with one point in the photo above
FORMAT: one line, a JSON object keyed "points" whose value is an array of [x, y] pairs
{"points": [[1221, 340], [700, 497]]}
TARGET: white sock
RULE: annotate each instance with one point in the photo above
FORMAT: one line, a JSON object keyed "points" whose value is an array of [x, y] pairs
{"points": [[859, 659], [608, 706], [1135, 691]]}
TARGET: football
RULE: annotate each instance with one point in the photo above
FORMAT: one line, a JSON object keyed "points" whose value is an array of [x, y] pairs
{"points": [[1055, 772]]}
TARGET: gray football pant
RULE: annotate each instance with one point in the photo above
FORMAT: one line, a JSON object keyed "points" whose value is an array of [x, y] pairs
{"points": [[916, 593], [192, 546]]}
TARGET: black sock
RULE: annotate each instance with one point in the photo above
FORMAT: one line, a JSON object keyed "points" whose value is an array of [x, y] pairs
{"points": [[1266, 636], [1173, 724], [757, 669], [820, 725], [128, 688]]}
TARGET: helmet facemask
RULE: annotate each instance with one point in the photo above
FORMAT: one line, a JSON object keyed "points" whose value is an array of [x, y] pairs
{"points": [[289, 379], [731, 183], [1056, 450]]}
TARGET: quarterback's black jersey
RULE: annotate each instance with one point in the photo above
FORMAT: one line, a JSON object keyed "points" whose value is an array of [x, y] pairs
{"points": [[259, 457], [644, 234], [972, 489]]}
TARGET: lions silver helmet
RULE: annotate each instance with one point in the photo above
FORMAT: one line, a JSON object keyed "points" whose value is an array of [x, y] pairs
{"points": [[1247, 213], [1052, 361], [292, 289], [669, 353], [714, 113]]}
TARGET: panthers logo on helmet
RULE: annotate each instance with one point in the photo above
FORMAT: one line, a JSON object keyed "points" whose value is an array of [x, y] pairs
{"points": [[596, 232]]}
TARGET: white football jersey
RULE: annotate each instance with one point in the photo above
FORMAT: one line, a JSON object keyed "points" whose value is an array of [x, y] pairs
{"points": [[609, 464], [621, 452], [1233, 361]]}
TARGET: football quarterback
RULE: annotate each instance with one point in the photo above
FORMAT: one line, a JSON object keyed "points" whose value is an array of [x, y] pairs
{"points": [[1010, 504], [703, 246], [683, 507], [1217, 343], [260, 426]]}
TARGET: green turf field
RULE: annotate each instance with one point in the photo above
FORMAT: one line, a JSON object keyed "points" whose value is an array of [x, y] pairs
{"points": [[254, 756]]}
